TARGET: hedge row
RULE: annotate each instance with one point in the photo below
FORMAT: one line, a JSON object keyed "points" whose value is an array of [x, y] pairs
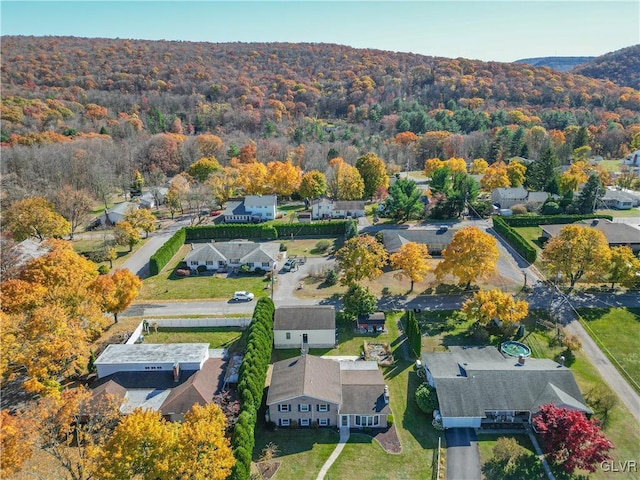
{"points": [[535, 220], [522, 246], [251, 380], [267, 232], [166, 252], [413, 333]]}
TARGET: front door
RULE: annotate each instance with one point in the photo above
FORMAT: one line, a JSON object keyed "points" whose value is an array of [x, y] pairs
{"points": [[344, 421], [305, 338]]}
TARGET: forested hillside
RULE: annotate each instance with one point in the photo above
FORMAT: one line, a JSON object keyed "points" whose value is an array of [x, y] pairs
{"points": [[621, 67], [562, 64], [91, 111]]}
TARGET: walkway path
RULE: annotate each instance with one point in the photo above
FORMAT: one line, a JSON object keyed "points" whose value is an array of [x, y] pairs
{"points": [[540, 455], [344, 438]]}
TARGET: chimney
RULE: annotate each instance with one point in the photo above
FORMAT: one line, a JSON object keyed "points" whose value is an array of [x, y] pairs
{"points": [[386, 395], [562, 361], [176, 372], [521, 359]]}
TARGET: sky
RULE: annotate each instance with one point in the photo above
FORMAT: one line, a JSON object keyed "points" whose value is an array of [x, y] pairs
{"points": [[498, 30]]}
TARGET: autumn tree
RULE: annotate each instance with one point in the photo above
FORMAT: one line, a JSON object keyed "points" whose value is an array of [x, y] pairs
{"points": [[137, 182], [413, 262], [431, 165], [359, 300], [253, 178], [117, 291], [495, 305], [74, 206], [172, 201], [17, 440], [577, 252], [403, 202], [283, 178], [126, 234], [202, 169], [313, 185], [472, 254], [575, 175], [624, 267], [223, 184], [361, 257], [373, 172], [457, 165], [35, 217], [516, 172], [495, 176], [349, 182], [143, 219], [570, 439], [209, 144], [478, 166]]}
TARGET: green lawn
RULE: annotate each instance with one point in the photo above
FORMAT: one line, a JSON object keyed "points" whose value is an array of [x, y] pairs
{"points": [[307, 247], [531, 234], [89, 245], [633, 212], [167, 286], [617, 333], [528, 466], [610, 165], [216, 337]]}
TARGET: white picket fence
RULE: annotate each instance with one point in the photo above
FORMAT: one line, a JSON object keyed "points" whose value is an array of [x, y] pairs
{"points": [[240, 322]]}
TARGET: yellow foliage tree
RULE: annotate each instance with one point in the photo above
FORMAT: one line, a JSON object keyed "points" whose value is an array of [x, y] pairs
{"points": [[209, 144], [431, 165], [516, 173], [479, 166], [126, 234], [283, 178], [575, 175], [143, 219], [373, 172], [35, 217], [413, 262], [495, 176], [488, 305], [472, 254], [350, 185], [16, 441], [361, 257], [577, 252], [624, 267], [117, 291], [456, 165], [202, 169], [313, 184], [223, 184], [253, 178]]}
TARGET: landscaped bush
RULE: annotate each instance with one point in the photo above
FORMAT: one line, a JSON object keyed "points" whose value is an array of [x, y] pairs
{"points": [[251, 379], [389, 420], [166, 252], [535, 220], [414, 335], [323, 245], [202, 268], [519, 209], [515, 239], [426, 398], [103, 269], [266, 232], [183, 272], [332, 278]]}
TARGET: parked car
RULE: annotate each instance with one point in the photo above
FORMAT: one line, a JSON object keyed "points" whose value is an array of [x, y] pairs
{"points": [[243, 296], [290, 264]]}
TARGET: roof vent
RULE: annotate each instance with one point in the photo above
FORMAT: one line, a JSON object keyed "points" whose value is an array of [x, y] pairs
{"points": [[386, 395]]}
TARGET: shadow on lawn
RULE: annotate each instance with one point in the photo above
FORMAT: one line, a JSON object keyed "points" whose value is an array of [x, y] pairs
{"points": [[414, 420]]}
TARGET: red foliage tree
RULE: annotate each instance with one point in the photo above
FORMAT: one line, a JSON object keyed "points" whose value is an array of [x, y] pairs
{"points": [[570, 439]]}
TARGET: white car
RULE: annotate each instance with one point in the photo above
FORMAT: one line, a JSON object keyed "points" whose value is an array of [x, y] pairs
{"points": [[243, 296]]}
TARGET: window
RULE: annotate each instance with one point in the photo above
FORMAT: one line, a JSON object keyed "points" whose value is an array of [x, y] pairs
{"points": [[284, 408], [194, 262], [209, 262], [304, 407], [323, 407], [323, 422], [266, 264], [305, 422], [366, 421], [288, 335], [221, 263], [285, 422]]}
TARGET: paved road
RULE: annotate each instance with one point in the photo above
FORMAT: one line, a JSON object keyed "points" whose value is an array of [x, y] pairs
{"points": [[463, 457]]}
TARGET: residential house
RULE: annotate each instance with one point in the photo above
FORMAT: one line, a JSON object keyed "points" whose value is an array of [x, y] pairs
{"points": [[168, 378], [253, 208], [308, 390], [325, 208], [116, 214], [372, 323], [620, 199], [478, 387], [436, 239], [304, 327], [617, 234], [153, 198], [508, 197], [231, 256], [632, 159]]}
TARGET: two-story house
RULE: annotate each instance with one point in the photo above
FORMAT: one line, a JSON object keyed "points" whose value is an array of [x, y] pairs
{"points": [[253, 208], [325, 208]]}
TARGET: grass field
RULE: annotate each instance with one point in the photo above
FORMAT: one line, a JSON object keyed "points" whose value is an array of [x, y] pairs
{"points": [[610, 165], [633, 212], [167, 286], [216, 337], [617, 333], [528, 466]]}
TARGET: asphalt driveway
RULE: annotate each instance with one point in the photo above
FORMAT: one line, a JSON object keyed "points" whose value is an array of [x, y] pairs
{"points": [[463, 457]]}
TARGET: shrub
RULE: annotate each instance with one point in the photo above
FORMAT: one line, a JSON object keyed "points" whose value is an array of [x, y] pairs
{"points": [[166, 252], [332, 278], [202, 268], [426, 398], [183, 272], [519, 209], [323, 245], [294, 424], [351, 230], [245, 268], [389, 420], [283, 247], [103, 269]]}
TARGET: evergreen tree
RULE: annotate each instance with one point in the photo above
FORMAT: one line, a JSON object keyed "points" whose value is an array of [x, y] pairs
{"points": [[588, 198], [541, 173]]}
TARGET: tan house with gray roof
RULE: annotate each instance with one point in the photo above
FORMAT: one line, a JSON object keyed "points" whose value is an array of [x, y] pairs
{"points": [[312, 391]]}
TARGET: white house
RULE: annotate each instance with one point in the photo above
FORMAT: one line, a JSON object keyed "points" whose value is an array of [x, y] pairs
{"points": [[508, 197], [632, 159], [323, 208], [116, 214], [153, 197], [253, 208], [225, 256], [304, 327]]}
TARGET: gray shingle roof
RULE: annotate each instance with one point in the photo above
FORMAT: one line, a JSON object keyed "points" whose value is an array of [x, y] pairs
{"points": [[351, 205], [260, 200], [616, 233], [473, 380], [394, 239], [235, 208], [244, 251], [151, 353], [307, 376], [315, 317], [511, 193]]}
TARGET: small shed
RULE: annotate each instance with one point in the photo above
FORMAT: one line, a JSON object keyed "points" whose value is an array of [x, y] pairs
{"points": [[372, 323]]}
